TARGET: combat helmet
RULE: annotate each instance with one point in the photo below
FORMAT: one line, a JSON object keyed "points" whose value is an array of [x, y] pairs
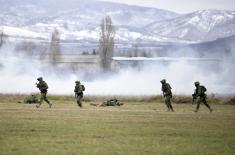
{"points": [[77, 82], [196, 83], [39, 79], [163, 81]]}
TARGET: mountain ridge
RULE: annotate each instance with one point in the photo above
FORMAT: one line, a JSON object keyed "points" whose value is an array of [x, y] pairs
{"points": [[79, 20]]}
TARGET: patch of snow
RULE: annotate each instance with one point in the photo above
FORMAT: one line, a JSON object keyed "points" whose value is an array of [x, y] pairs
{"points": [[162, 59], [195, 20], [18, 32], [183, 33]]}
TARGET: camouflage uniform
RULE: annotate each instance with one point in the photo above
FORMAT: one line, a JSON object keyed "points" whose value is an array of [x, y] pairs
{"points": [[42, 86], [112, 102], [31, 99], [79, 92], [200, 92], [166, 89]]}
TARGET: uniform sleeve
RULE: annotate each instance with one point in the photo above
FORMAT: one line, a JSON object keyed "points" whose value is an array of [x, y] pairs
{"points": [[39, 85], [76, 89]]}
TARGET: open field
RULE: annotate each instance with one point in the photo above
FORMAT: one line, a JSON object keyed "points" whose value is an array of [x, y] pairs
{"points": [[138, 127]]}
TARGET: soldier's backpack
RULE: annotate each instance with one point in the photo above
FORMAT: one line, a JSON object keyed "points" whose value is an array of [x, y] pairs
{"points": [[83, 87], [203, 89]]}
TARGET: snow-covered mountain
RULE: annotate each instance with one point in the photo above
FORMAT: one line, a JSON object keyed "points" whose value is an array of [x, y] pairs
{"points": [[199, 26], [86, 13], [79, 20]]}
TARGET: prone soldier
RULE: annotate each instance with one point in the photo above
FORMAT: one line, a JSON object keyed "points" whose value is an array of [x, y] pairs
{"points": [[42, 86], [32, 99], [79, 88], [111, 102], [166, 89], [200, 92]]}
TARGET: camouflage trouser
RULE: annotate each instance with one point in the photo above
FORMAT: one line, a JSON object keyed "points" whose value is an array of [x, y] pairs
{"points": [[79, 99], [168, 102], [202, 99], [43, 97]]}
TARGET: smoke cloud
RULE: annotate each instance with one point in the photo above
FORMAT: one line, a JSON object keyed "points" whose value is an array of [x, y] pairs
{"points": [[19, 73]]}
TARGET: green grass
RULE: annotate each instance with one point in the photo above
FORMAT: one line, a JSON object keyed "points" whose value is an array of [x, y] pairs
{"points": [[138, 127]]}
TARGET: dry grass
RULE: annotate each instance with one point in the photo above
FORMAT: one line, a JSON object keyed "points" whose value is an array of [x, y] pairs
{"points": [[136, 128], [179, 99]]}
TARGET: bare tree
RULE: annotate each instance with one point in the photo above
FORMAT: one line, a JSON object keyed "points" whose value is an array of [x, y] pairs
{"points": [[55, 52], [106, 43], [2, 37], [136, 51], [144, 53]]}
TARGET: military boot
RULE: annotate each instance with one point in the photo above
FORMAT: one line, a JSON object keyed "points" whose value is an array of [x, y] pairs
{"points": [[80, 105], [171, 108]]}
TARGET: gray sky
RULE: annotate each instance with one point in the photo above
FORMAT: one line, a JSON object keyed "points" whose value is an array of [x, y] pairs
{"points": [[182, 6]]}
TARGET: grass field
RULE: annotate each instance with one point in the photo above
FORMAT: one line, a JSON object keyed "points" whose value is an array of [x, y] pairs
{"points": [[136, 128]]}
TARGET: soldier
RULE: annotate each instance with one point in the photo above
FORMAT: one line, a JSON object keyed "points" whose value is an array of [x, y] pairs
{"points": [[112, 102], [200, 91], [42, 86], [32, 99], [166, 89], [79, 92]]}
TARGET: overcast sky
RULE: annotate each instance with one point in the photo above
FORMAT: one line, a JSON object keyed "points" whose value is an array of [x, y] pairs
{"points": [[183, 6]]}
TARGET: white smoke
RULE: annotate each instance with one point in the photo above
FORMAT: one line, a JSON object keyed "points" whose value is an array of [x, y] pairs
{"points": [[180, 74], [19, 73]]}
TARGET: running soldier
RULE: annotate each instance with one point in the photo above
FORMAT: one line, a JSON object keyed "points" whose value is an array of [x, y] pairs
{"points": [[42, 86], [79, 92], [200, 92], [166, 89]]}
